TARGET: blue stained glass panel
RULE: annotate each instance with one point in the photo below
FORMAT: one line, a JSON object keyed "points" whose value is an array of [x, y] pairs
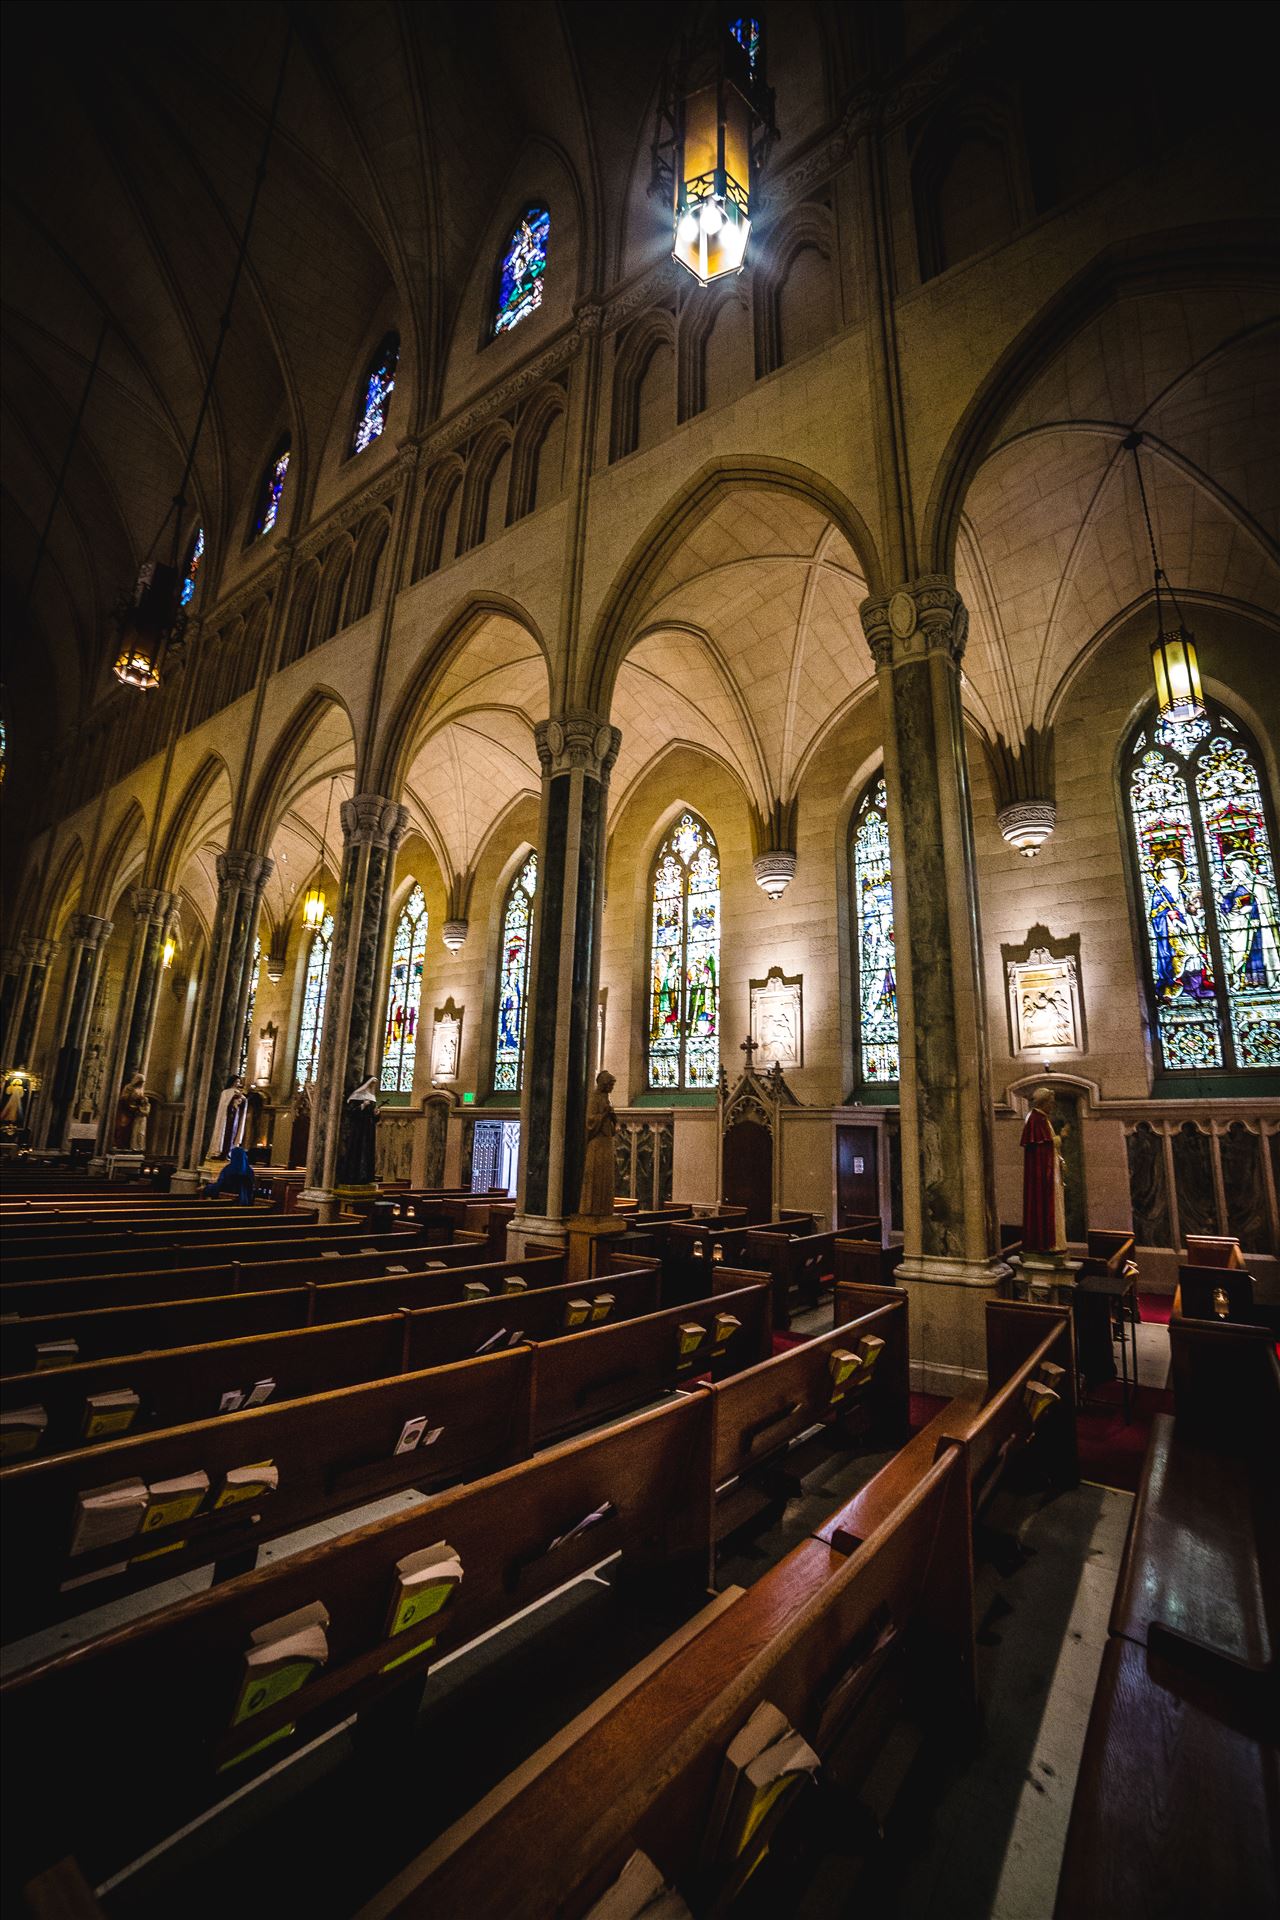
{"points": [[315, 988], [1243, 882], [747, 34], [404, 997], [877, 965], [193, 568], [377, 392], [523, 266], [273, 492], [513, 978], [684, 960]]}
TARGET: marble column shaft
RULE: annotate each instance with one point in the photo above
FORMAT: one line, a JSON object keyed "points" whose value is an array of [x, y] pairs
{"points": [[88, 934], [917, 636], [372, 828], [577, 751], [220, 1016], [11, 968], [37, 954], [158, 911]]}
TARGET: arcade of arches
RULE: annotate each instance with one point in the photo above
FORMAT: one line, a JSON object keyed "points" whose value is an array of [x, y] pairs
{"points": [[644, 592]]}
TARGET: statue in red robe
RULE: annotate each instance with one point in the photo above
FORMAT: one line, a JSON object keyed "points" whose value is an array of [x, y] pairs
{"points": [[1043, 1215]]}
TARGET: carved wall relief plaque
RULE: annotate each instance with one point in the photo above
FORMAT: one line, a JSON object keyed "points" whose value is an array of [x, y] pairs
{"points": [[446, 1042], [777, 1019]]}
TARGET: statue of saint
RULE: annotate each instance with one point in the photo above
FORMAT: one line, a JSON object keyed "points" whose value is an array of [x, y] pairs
{"points": [[360, 1135], [1044, 1227], [229, 1120], [598, 1171], [300, 1132], [132, 1109]]}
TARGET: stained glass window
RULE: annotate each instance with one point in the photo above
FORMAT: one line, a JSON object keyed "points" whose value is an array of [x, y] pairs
{"points": [[1207, 877], [513, 978], [523, 265], [378, 382], [874, 958], [684, 959], [313, 997], [250, 1003], [272, 493], [404, 996], [194, 557], [747, 34]]}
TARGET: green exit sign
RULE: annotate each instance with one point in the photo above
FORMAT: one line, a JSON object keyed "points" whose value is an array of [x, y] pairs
{"points": [[468, 1099]]}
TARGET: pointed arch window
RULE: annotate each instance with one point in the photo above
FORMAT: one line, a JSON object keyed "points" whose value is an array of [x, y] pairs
{"points": [[684, 959], [375, 393], [513, 978], [874, 961], [1203, 847], [315, 988], [195, 554], [404, 996], [524, 263], [271, 492], [247, 1036]]}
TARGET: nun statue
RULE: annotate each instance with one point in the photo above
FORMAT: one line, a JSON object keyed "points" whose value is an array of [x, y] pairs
{"points": [[360, 1136], [229, 1120]]}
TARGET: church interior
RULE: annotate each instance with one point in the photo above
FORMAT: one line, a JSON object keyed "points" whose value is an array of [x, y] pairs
{"points": [[640, 1000]]}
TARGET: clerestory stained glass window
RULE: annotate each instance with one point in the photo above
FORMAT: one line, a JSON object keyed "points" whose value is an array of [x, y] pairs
{"points": [[194, 557], [404, 996], [251, 1002], [271, 494], [875, 964], [684, 959], [747, 34], [513, 978], [376, 392], [314, 990], [523, 266], [1206, 872]]}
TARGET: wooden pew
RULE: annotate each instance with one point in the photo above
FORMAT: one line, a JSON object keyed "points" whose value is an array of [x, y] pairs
{"points": [[862, 1260], [836, 1645], [519, 1536], [1176, 1814], [156, 1255], [759, 1412], [310, 1302], [796, 1263]]}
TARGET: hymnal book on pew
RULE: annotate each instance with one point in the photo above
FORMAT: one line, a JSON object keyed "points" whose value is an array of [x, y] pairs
{"points": [[474, 1290], [331, 1253], [175, 1500], [21, 1431], [110, 1412], [107, 1514], [282, 1656], [514, 1283], [842, 1365], [232, 1400], [246, 1483], [425, 1582], [394, 1269], [602, 1306], [260, 1391], [727, 1325], [56, 1353], [639, 1893], [691, 1337], [577, 1313], [870, 1347], [762, 1760], [1038, 1397]]}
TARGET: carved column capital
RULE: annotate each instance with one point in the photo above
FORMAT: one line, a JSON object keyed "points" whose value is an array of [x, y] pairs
{"points": [[919, 618], [371, 820], [39, 952], [574, 740], [88, 929], [240, 870]]}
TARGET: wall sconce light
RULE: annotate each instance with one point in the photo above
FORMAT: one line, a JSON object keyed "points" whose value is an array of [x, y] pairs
{"points": [[454, 934], [167, 952], [1027, 824], [774, 872]]}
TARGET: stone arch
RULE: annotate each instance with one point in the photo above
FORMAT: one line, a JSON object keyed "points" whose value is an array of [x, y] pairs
{"points": [[281, 762], [331, 615], [653, 333], [809, 228], [483, 513], [56, 894], [441, 495], [370, 545], [173, 840], [616, 625], [107, 880], [533, 429], [301, 616]]}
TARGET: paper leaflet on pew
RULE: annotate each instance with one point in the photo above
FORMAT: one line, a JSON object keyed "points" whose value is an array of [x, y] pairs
{"points": [[639, 1893], [764, 1759], [21, 1431], [416, 1432], [281, 1657]]}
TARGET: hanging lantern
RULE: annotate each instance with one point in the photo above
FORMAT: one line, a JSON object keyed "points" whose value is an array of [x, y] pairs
{"points": [[167, 952], [1174, 663], [774, 872], [147, 626], [314, 904], [454, 935], [714, 110], [1026, 824]]}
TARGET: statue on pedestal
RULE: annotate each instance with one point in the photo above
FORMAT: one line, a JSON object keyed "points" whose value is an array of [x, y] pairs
{"points": [[132, 1109], [359, 1143], [300, 1132], [229, 1120], [1044, 1227], [599, 1169]]}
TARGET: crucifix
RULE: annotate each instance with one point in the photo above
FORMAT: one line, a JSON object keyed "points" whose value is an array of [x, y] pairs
{"points": [[749, 1048]]}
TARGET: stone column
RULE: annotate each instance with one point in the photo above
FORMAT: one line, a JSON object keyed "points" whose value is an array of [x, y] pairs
{"points": [[372, 829], [159, 911], [88, 934], [577, 751], [37, 954], [12, 967], [951, 1265], [220, 1016]]}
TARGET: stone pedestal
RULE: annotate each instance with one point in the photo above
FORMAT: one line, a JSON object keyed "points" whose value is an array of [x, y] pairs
{"points": [[946, 1311], [586, 1245], [1046, 1279], [186, 1180]]}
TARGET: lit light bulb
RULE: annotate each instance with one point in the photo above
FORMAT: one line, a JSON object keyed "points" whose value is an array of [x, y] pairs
{"points": [[687, 231], [168, 951], [711, 217]]}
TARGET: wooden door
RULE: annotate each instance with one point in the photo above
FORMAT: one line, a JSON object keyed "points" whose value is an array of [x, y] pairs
{"points": [[857, 1174], [748, 1169]]}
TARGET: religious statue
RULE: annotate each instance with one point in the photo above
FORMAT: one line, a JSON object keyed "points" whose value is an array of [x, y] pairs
{"points": [[229, 1120], [300, 1132], [360, 1136], [13, 1101], [1044, 1228], [132, 1109], [599, 1170]]}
